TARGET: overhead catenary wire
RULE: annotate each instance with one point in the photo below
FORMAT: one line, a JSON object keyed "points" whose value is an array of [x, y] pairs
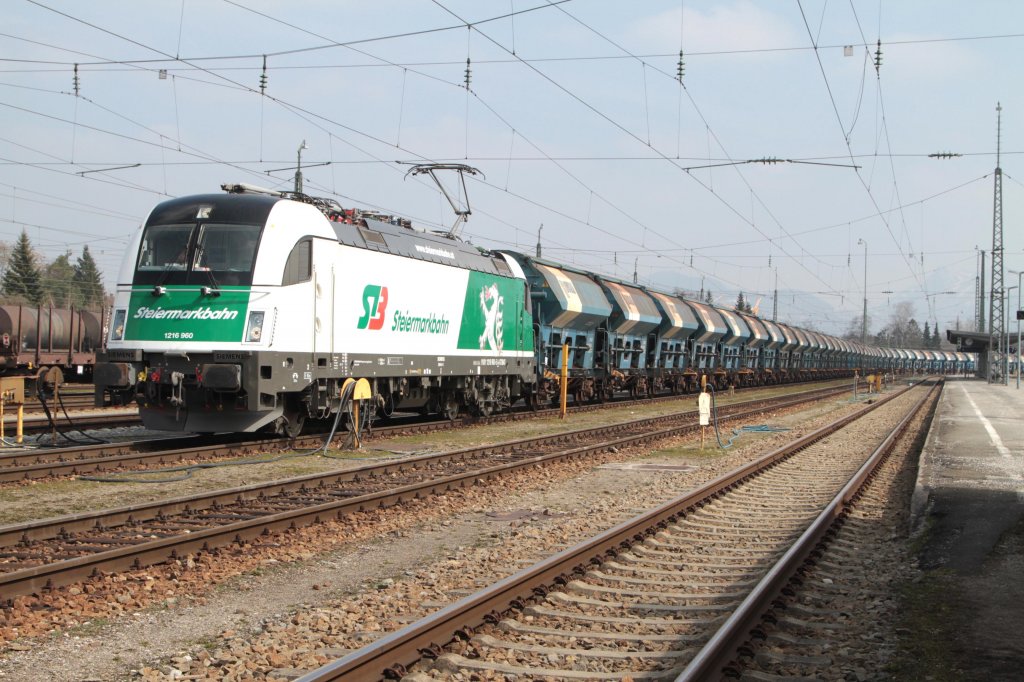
{"points": [[333, 137], [625, 130], [839, 120], [575, 58]]}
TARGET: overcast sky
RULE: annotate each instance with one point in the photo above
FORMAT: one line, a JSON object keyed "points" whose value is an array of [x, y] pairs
{"points": [[573, 116]]}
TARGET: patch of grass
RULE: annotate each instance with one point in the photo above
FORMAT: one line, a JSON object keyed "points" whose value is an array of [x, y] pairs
{"points": [[920, 539], [91, 627], [689, 451], [206, 642], [928, 648]]}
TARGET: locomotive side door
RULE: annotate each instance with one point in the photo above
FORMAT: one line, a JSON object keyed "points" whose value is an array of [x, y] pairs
{"points": [[323, 302], [521, 322]]}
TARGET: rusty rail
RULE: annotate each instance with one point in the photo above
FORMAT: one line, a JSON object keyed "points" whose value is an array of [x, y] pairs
{"points": [[391, 656], [99, 458], [718, 654], [38, 578]]}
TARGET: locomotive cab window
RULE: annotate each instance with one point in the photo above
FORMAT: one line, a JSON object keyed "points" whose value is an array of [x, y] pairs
{"points": [[164, 247], [299, 266], [204, 254], [225, 248]]}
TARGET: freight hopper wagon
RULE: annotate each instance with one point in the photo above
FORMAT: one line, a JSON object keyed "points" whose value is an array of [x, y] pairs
{"points": [[631, 341], [771, 356], [705, 349], [569, 308], [733, 348], [610, 328], [756, 352], [673, 370], [250, 310]]}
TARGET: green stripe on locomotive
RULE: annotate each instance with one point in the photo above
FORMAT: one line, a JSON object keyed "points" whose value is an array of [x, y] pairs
{"points": [[186, 314]]}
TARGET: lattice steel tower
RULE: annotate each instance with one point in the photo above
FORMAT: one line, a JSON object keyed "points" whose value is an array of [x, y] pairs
{"points": [[979, 296], [997, 331]]}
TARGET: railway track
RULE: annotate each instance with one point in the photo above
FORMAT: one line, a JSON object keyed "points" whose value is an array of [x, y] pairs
{"points": [[74, 402], [38, 555], [108, 458], [674, 593], [77, 400]]}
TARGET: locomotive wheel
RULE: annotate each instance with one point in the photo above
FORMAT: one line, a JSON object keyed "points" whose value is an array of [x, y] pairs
{"points": [[292, 419], [293, 426]]}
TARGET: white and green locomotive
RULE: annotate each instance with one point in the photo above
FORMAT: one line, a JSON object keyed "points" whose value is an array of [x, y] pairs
{"points": [[248, 310]]}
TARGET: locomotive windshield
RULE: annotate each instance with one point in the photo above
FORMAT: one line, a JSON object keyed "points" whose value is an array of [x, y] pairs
{"points": [[202, 255], [225, 248], [164, 247]]}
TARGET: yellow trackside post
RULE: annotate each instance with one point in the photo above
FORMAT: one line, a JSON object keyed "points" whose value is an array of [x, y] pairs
{"points": [[12, 391], [565, 378]]}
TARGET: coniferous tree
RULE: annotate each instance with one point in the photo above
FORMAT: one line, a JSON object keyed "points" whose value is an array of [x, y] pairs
{"points": [[22, 276], [926, 336], [58, 282], [912, 335], [88, 281], [708, 298], [741, 304]]}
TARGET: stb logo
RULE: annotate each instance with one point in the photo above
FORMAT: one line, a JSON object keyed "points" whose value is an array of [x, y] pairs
{"points": [[375, 301]]}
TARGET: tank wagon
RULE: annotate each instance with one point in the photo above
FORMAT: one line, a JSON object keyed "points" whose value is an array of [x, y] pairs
{"points": [[34, 338], [250, 310]]}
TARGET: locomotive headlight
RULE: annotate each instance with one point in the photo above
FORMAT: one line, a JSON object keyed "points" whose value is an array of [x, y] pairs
{"points": [[117, 326], [254, 328]]}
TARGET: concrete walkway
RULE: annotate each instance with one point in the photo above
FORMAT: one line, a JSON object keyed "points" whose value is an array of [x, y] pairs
{"points": [[970, 485], [969, 503]]}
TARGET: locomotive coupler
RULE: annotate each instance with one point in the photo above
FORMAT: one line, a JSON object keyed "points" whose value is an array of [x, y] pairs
{"points": [[177, 389]]}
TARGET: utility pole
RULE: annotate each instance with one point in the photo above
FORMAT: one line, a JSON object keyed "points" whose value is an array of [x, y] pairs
{"points": [[298, 169], [864, 317], [539, 230], [997, 330], [775, 297]]}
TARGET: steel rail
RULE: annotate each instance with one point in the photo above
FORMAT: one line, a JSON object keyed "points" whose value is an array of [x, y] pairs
{"points": [[37, 424], [45, 528], [34, 579], [720, 652], [391, 656], [45, 463]]}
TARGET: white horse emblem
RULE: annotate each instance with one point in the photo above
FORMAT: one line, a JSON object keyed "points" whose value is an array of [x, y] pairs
{"points": [[490, 303]]}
